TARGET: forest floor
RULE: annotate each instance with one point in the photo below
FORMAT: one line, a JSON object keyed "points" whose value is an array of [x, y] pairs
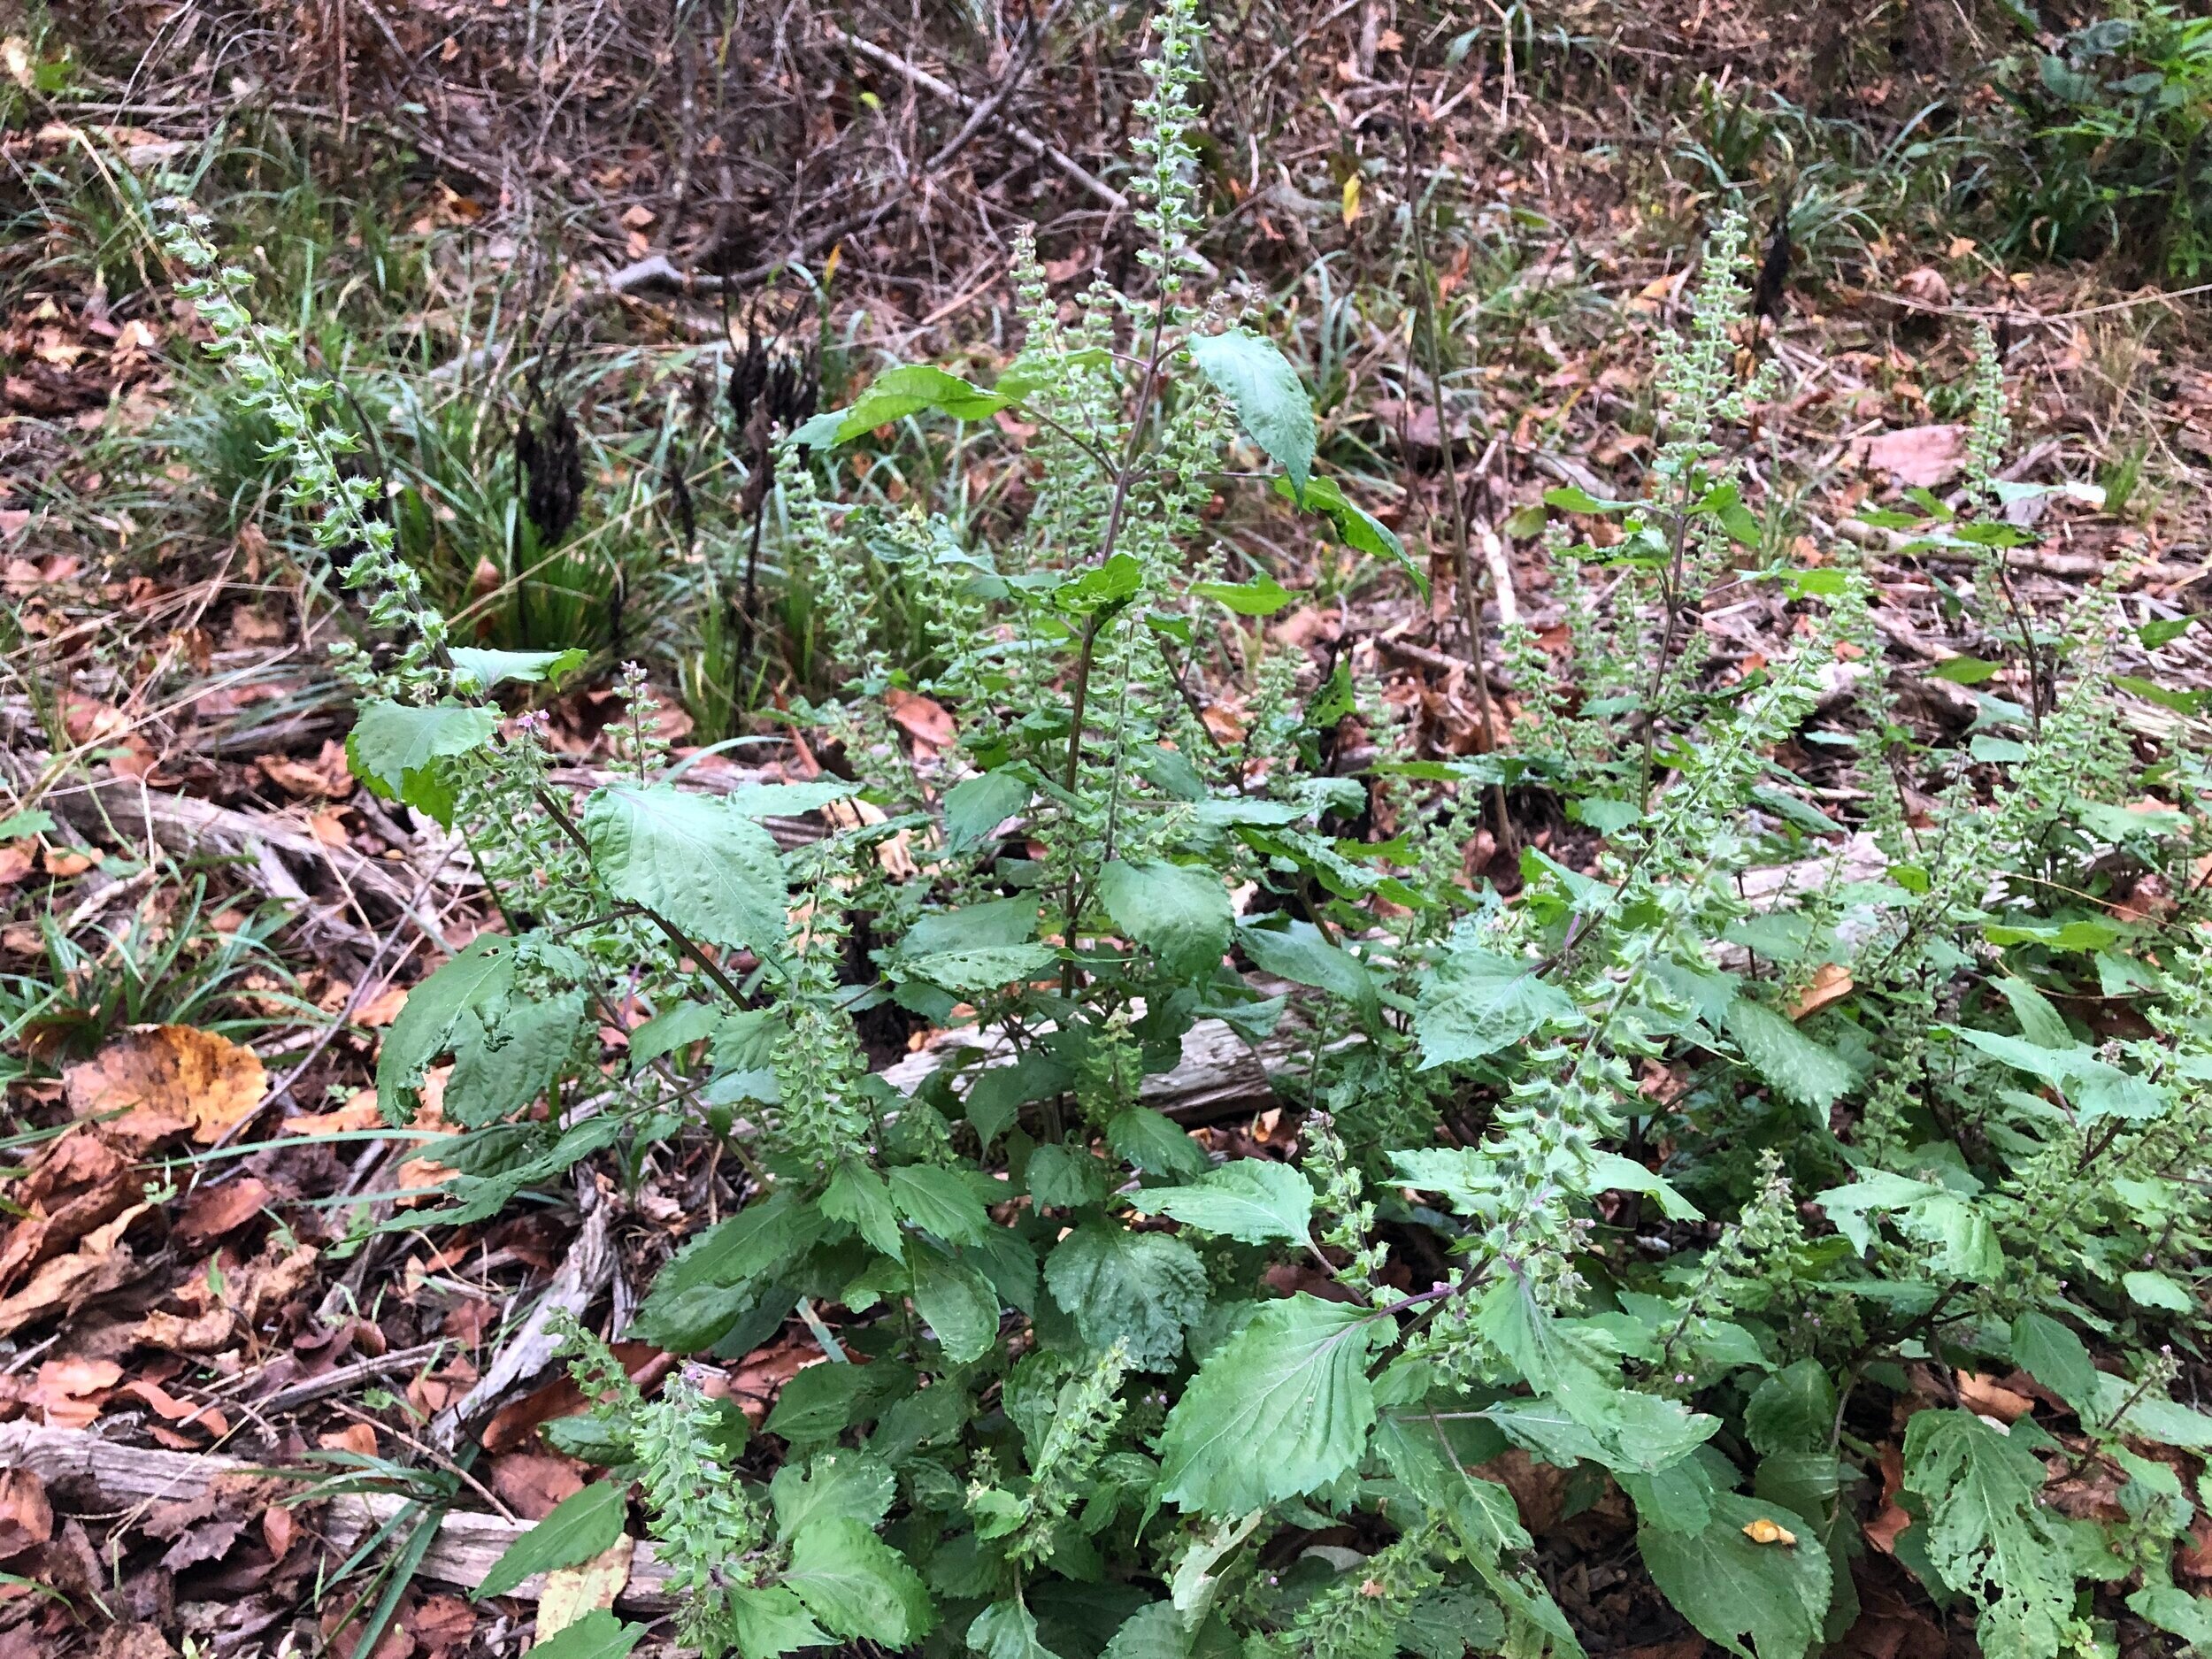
{"points": [[205, 1271]]}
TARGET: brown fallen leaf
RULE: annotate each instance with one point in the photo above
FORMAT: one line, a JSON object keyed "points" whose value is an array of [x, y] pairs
{"points": [[355, 1437], [26, 1519], [68, 1391], [923, 719], [443, 1624], [163, 1079], [533, 1483], [132, 1641], [1986, 1396], [99, 1264], [1830, 983], [1916, 456], [324, 778], [213, 1211]]}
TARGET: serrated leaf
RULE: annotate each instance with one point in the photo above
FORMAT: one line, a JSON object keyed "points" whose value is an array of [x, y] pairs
{"points": [[1150, 1632], [396, 749], [1154, 1143], [1006, 1629], [1358, 529], [1796, 1066], [1965, 671], [787, 800], [1299, 952], [771, 1621], [976, 806], [598, 1634], [1253, 1199], [1612, 1172], [719, 1277], [1985, 1533], [956, 1302], [712, 871], [847, 1485], [1731, 1587], [1261, 386], [895, 394], [2056, 1357], [1479, 1002], [938, 1201], [982, 971], [1262, 596], [503, 1066], [580, 1526], [856, 1585], [1794, 1410], [1280, 1410], [476, 667], [1180, 913], [479, 974], [858, 1196], [1141, 1289]]}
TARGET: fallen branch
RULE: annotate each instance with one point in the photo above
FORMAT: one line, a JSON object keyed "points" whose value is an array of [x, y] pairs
{"points": [[99, 1475]]}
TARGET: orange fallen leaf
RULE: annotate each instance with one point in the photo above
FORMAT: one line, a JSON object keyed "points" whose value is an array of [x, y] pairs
{"points": [[213, 1211], [1990, 1398], [27, 1519], [163, 1079], [923, 719], [1919, 457], [68, 1391], [98, 1264], [355, 1437], [1830, 983]]}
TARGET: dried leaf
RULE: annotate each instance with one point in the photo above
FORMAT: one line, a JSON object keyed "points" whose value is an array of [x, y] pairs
{"points": [[1916, 456], [213, 1211], [26, 1519], [1830, 983], [98, 1265], [163, 1079], [571, 1592]]}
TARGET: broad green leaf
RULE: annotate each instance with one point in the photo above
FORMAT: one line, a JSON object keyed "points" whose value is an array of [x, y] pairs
{"points": [[36, 821], [787, 800], [1731, 1587], [976, 806], [1794, 1410], [1066, 1177], [2056, 1357], [858, 1195], [1985, 1533], [1143, 1289], [1479, 1002], [1877, 1189], [1280, 1410], [2040, 1022], [971, 927], [395, 748], [482, 669], [1796, 1066], [712, 871], [719, 1277], [1181, 913], [1447, 1620], [895, 394], [1154, 1143], [1965, 671], [995, 1098], [501, 1066], [1150, 1632], [938, 1201], [1253, 1199], [1358, 529], [984, 970], [677, 1026], [2162, 631], [771, 1621], [1570, 498], [1101, 589], [2177, 1612], [1297, 951], [1612, 1172], [956, 1302], [1263, 596], [2147, 1290], [598, 1634], [856, 1585], [851, 1485], [1264, 390], [1675, 1499], [1005, 1630], [479, 974], [581, 1525]]}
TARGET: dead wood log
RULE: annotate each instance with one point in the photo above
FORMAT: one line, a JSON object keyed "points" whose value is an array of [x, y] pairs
{"points": [[85, 1469]]}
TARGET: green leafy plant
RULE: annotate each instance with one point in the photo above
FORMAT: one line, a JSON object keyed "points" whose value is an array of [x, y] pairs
{"points": [[1672, 1170]]}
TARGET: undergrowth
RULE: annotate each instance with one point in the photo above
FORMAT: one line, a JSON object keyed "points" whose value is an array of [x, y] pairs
{"points": [[1684, 1169]]}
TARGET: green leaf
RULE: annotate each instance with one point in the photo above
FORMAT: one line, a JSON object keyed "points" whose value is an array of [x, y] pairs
{"points": [[479, 974], [1264, 390], [1447, 1620], [1252, 1199], [2056, 1357], [476, 668], [956, 1302], [995, 1098], [980, 972], [2147, 1290], [2150, 691], [1965, 671], [858, 1194], [1568, 498], [1298, 951], [976, 806], [771, 1621], [1101, 589], [1005, 1630], [1794, 1410], [895, 394], [787, 800], [940, 1203], [2177, 1612], [1479, 1002], [1797, 1067], [713, 872], [1263, 596], [1150, 1632], [1612, 1172], [1143, 1289], [719, 1277], [501, 1065], [36, 821], [583, 1524], [1985, 1533], [1731, 1587], [1279, 1411], [1181, 913], [847, 1485], [1154, 1143], [856, 1585], [599, 1634], [395, 748], [2162, 631], [1359, 529]]}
